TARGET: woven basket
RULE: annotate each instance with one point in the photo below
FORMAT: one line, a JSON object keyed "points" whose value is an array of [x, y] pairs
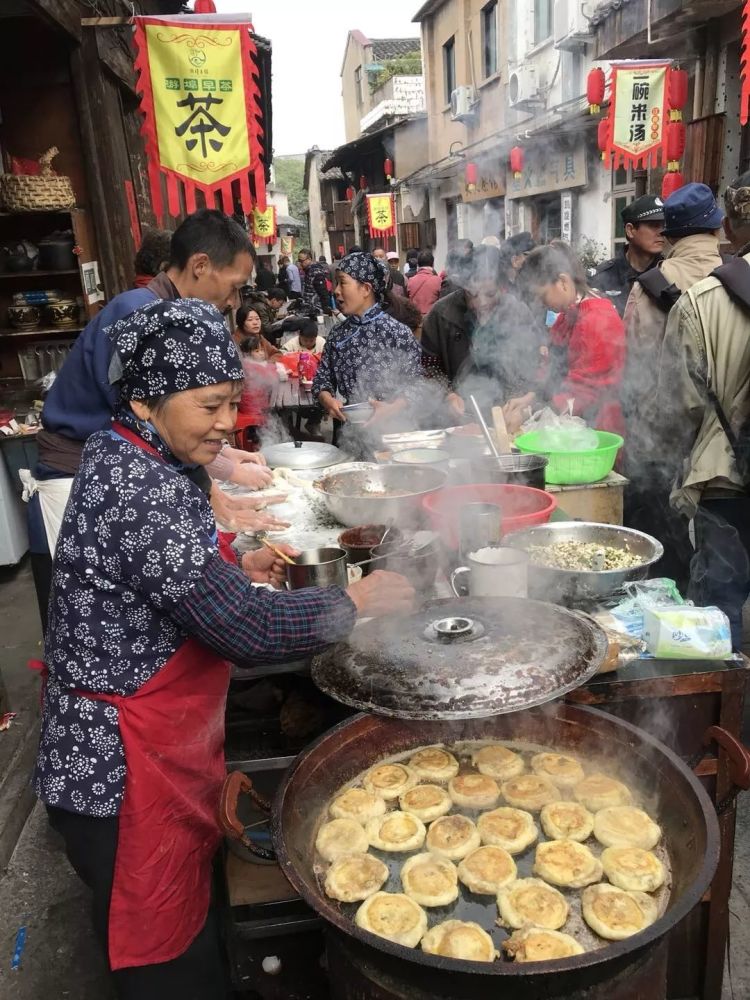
{"points": [[43, 192], [26, 193]]}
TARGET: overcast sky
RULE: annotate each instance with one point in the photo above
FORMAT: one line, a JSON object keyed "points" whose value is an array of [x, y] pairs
{"points": [[308, 38]]}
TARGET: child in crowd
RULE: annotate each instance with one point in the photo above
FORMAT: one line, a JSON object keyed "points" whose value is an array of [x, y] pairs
{"points": [[307, 339], [260, 378], [587, 340]]}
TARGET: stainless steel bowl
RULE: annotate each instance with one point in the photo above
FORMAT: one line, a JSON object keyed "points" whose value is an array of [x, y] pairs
{"points": [[379, 494], [560, 586]]}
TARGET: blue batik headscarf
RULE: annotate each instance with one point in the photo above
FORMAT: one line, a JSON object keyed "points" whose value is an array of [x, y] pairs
{"points": [[363, 267]]}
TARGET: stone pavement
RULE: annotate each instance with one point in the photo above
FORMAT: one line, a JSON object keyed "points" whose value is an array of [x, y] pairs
{"points": [[61, 960]]}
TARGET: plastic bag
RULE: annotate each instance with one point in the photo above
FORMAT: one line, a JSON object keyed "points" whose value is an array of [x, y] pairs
{"points": [[642, 595], [685, 633], [561, 432]]}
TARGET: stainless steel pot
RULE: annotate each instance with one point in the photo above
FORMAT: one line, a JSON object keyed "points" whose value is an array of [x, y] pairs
{"points": [[318, 568], [561, 586], [379, 494], [303, 455]]}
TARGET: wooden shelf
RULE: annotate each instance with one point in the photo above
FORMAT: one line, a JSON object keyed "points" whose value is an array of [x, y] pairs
{"points": [[37, 274], [39, 332]]}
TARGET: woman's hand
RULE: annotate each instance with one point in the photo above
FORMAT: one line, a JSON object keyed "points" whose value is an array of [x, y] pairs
{"points": [[515, 412], [382, 593], [383, 411], [456, 404], [240, 456], [241, 513], [264, 566], [332, 406], [252, 476]]}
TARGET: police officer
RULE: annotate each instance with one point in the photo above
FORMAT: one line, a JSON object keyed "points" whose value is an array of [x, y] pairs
{"points": [[644, 222]]}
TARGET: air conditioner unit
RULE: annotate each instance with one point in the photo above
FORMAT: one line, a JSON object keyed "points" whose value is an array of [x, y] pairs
{"points": [[523, 87], [572, 29], [464, 102]]}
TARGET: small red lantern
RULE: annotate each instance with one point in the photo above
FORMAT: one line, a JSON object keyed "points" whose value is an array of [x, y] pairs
{"points": [[388, 168], [472, 175], [350, 194], [675, 144], [673, 180], [362, 182], [677, 90], [204, 7], [595, 87], [516, 162]]}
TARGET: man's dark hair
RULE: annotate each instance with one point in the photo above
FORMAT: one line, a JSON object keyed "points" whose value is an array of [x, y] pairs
{"points": [[521, 243], [486, 262], [304, 252], [737, 208], [309, 328], [356, 248], [322, 259], [153, 252], [277, 293], [210, 232], [425, 259], [412, 254]]}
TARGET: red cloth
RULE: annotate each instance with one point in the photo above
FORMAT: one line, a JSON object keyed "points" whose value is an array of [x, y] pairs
{"points": [[143, 280], [256, 394], [424, 289], [590, 340]]}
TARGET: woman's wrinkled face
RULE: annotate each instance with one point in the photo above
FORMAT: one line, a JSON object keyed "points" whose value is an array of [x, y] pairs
{"points": [[194, 423], [252, 325], [353, 297]]}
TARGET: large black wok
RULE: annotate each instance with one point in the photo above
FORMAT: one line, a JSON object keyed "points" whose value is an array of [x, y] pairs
{"points": [[670, 791]]}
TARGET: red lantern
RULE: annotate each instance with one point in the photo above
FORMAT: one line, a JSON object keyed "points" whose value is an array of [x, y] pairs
{"points": [[675, 144], [388, 169], [602, 136], [677, 90], [204, 7], [595, 86], [350, 194], [362, 182], [472, 175], [516, 162], [673, 180]]}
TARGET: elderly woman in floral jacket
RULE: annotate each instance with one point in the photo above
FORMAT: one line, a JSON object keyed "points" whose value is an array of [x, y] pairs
{"points": [[147, 608]]}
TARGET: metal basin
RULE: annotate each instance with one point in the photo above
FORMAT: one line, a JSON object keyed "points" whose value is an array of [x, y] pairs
{"points": [[561, 586], [379, 494]]}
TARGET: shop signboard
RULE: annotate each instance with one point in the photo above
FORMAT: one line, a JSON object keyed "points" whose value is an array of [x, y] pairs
{"points": [[548, 170]]}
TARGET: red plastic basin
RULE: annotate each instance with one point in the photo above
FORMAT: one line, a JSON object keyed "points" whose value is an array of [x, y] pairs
{"points": [[522, 507]]}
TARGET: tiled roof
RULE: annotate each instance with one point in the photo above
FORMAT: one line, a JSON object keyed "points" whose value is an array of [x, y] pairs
{"points": [[392, 48]]}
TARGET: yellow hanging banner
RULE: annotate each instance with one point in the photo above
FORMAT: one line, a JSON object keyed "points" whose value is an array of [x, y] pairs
{"points": [[264, 224], [638, 114], [200, 101], [381, 213]]}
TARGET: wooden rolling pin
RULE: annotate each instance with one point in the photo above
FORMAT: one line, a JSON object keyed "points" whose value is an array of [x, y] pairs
{"points": [[501, 431]]}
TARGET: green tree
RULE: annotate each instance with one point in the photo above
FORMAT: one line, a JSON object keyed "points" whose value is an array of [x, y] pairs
{"points": [[290, 173]]}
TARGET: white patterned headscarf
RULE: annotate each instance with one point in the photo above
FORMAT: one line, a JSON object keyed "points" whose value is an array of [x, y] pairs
{"points": [[167, 347]]}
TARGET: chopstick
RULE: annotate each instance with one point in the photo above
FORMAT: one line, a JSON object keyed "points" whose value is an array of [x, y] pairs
{"points": [[278, 552]]}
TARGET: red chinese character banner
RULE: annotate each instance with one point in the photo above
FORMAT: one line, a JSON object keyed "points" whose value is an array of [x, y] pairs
{"points": [[636, 134], [381, 215], [198, 83]]}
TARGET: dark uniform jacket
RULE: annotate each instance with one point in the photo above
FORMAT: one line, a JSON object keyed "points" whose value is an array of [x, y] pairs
{"points": [[614, 278]]}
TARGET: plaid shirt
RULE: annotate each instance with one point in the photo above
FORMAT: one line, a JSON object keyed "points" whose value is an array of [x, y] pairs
{"points": [[248, 624]]}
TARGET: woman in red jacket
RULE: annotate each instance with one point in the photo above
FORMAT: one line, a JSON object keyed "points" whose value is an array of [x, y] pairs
{"points": [[587, 340]]}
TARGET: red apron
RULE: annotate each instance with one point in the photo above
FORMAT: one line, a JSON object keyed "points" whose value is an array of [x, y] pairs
{"points": [[172, 731]]}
